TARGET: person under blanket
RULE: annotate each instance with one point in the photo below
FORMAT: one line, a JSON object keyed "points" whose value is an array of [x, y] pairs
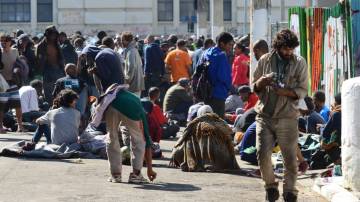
{"points": [[127, 110], [60, 125]]}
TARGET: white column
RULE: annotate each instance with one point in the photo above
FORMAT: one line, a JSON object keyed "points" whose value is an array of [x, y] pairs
{"points": [[55, 13], [155, 17], [201, 25], [234, 13], [216, 17], [350, 139], [33, 14], [259, 26], [176, 14]]}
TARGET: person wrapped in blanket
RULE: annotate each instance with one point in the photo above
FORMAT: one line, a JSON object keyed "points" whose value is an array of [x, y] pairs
{"points": [[126, 109]]}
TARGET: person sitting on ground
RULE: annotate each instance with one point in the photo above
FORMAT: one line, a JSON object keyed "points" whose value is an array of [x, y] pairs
{"points": [[331, 133], [177, 101], [60, 125], [168, 128], [205, 146], [192, 113], [73, 82], [38, 86], [320, 107], [30, 103], [249, 98], [233, 102], [311, 117]]}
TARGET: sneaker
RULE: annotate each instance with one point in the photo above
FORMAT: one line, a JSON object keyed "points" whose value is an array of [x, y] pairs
{"points": [[137, 179], [272, 194], [115, 179], [289, 197]]}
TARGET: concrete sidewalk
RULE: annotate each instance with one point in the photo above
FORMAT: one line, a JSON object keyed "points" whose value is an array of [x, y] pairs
{"points": [[85, 180]]}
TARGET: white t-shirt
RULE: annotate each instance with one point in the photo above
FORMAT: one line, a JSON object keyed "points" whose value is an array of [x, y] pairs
{"points": [[28, 99]]}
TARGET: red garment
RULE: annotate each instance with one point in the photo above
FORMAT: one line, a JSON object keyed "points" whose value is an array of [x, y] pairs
{"points": [[159, 114], [253, 98], [240, 70], [155, 129]]}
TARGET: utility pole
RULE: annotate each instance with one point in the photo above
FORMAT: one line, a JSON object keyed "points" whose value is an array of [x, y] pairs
{"points": [[217, 23], [282, 9], [201, 15], [245, 30], [259, 26]]}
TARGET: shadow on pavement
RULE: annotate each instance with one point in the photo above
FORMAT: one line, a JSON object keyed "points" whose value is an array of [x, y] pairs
{"points": [[6, 139], [74, 160], [174, 187]]}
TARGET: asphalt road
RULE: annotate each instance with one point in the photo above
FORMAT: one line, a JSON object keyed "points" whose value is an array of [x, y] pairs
{"points": [[86, 180]]}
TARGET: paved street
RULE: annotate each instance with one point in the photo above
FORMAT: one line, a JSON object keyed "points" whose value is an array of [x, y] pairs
{"points": [[85, 180]]}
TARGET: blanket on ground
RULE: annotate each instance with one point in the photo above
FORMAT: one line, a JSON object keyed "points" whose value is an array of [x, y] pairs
{"points": [[90, 146]]}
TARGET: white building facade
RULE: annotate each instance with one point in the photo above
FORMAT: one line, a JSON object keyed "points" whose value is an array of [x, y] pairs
{"points": [[142, 17]]}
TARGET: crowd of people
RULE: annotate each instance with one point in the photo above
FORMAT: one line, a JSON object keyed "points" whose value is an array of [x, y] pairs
{"points": [[59, 86]]}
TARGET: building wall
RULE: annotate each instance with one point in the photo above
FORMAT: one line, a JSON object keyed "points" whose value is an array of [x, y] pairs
{"points": [[138, 16]]}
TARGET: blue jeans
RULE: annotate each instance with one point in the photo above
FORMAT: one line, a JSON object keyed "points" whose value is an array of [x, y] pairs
{"points": [[42, 129], [82, 101]]}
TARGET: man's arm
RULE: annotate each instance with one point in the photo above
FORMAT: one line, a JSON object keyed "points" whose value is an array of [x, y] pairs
{"points": [[301, 90], [260, 81]]}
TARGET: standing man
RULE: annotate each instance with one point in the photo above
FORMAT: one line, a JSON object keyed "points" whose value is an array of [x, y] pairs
{"points": [[280, 80], [219, 72], [50, 61], [260, 48], [199, 52], [133, 72], [104, 65], [178, 62], [10, 98], [68, 50], [154, 66]]}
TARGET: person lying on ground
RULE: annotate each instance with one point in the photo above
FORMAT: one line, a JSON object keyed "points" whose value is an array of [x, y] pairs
{"points": [[60, 125]]}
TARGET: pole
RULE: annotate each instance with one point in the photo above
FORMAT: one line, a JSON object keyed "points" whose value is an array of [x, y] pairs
{"points": [[259, 26], [245, 16]]}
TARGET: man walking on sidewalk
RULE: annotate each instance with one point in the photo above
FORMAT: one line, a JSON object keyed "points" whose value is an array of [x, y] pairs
{"points": [[279, 80]]}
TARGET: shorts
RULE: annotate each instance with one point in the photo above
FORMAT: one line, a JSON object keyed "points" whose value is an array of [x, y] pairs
{"points": [[10, 98]]}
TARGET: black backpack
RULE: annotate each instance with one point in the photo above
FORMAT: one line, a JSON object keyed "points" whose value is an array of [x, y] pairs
{"points": [[200, 83]]}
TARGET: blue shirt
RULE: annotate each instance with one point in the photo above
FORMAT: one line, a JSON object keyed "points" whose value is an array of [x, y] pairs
{"points": [[154, 60], [109, 69], [325, 113], [219, 72]]}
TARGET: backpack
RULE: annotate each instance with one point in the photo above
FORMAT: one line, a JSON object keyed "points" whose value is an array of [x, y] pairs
{"points": [[200, 83]]}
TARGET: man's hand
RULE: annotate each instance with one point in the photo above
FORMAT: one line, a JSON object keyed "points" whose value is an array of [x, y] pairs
{"points": [[263, 81], [151, 174], [92, 70]]}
